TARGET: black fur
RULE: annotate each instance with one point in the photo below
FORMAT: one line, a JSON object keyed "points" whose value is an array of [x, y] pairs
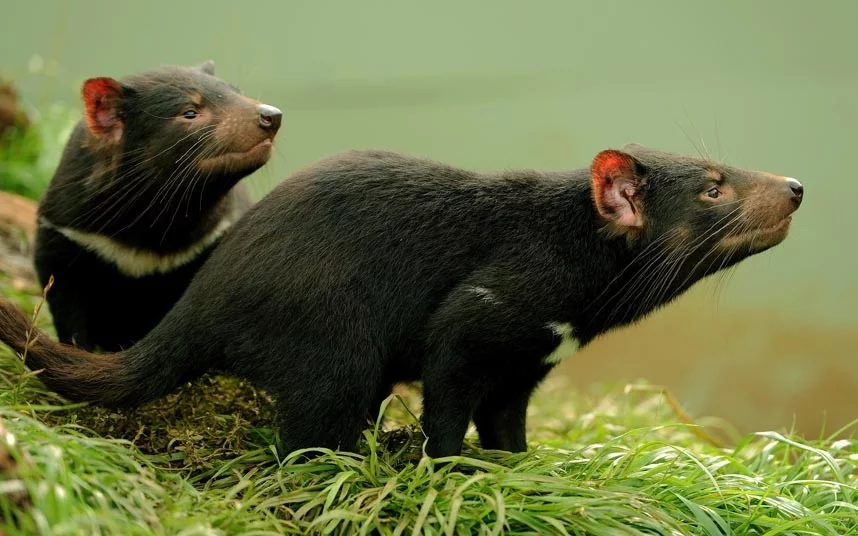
{"points": [[373, 268], [138, 172]]}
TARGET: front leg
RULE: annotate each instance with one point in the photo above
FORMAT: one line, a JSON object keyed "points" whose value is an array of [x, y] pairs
{"points": [[501, 417], [70, 312], [449, 399], [485, 346], [68, 299]]}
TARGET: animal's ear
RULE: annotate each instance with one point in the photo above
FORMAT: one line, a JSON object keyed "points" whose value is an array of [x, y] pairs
{"points": [[207, 67], [614, 187], [103, 99]]}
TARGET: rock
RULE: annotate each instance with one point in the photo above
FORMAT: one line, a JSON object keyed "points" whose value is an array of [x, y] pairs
{"points": [[10, 113], [17, 232]]}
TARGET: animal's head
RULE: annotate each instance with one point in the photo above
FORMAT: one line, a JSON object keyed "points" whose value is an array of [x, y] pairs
{"points": [[700, 214], [183, 121]]}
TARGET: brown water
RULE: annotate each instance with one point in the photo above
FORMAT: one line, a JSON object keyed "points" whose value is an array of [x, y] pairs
{"points": [[767, 84]]}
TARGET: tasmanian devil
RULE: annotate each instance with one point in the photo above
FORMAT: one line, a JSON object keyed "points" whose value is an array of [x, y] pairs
{"points": [[373, 268], [145, 189]]}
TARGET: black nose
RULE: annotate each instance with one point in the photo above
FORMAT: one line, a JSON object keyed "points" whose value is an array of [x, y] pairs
{"points": [[269, 117], [797, 190]]}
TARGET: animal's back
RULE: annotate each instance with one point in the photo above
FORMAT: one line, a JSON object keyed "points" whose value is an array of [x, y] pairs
{"points": [[316, 256]]}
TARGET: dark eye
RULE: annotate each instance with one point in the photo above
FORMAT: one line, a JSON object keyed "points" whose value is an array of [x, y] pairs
{"points": [[191, 114], [713, 193]]}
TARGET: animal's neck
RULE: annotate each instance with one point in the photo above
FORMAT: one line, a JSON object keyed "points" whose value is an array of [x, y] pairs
{"points": [[155, 208], [638, 283], [139, 262]]}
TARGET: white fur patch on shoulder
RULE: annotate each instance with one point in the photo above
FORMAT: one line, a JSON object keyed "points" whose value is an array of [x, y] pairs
{"points": [[486, 294], [568, 345], [561, 329], [135, 262]]}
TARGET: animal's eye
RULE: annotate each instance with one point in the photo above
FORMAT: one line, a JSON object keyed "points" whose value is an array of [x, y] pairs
{"points": [[191, 114], [713, 193]]}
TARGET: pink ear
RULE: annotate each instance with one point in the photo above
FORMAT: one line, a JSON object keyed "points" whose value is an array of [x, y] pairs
{"points": [[614, 187], [102, 98]]}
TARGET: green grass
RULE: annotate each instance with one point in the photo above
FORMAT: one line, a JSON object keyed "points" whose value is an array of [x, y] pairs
{"points": [[204, 460], [28, 159]]}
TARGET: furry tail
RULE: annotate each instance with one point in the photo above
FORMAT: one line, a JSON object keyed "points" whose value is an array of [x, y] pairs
{"points": [[123, 379]]}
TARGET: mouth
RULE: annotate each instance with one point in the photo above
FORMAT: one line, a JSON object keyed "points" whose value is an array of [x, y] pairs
{"points": [[759, 239], [264, 145], [239, 161], [779, 228]]}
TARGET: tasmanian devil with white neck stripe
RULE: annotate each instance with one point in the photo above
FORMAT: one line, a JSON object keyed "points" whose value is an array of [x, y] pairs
{"points": [[147, 185], [373, 268]]}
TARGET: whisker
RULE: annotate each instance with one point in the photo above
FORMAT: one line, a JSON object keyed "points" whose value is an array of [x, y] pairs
{"points": [[657, 292], [114, 199], [633, 280], [693, 270], [670, 265], [181, 180], [652, 246], [126, 185], [177, 172]]}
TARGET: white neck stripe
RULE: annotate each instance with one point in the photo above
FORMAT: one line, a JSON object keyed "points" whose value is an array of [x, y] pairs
{"points": [[136, 262]]}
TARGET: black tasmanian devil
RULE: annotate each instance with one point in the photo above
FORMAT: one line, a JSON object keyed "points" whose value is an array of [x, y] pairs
{"points": [[146, 187], [372, 268]]}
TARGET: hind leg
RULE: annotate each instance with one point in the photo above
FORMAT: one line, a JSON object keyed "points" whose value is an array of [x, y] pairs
{"points": [[321, 422], [323, 397]]}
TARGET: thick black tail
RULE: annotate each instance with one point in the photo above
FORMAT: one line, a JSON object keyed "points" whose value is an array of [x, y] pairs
{"points": [[122, 379]]}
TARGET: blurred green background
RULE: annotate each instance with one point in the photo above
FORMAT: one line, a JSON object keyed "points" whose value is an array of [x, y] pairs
{"points": [[769, 85]]}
